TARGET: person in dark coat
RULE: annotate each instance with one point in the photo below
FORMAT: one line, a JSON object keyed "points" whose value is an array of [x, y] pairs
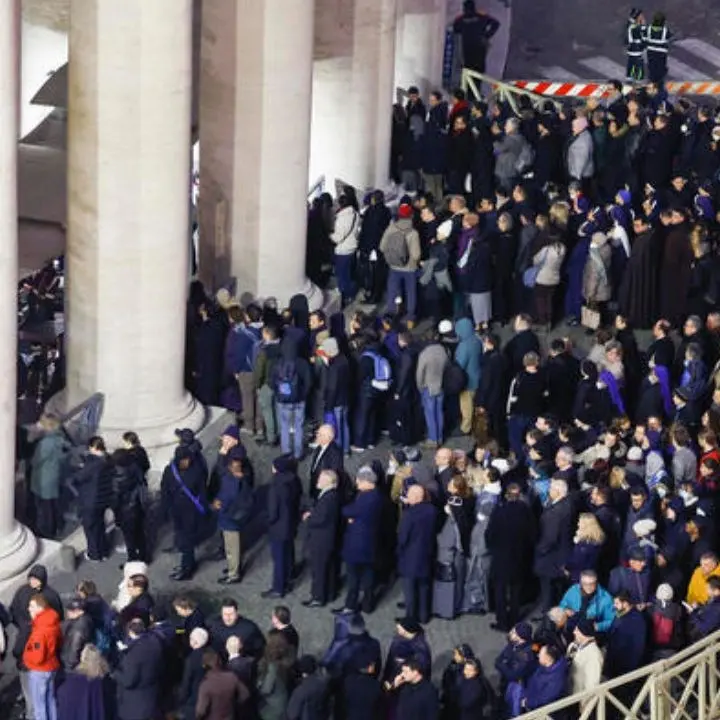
{"points": [[283, 519], [675, 270], [548, 151], [474, 692], [517, 661], [323, 537], [361, 693], [705, 620], [335, 389], [221, 693], [490, 395], [435, 145], [504, 248], [371, 269], [328, 455], [634, 580], [88, 692], [193, 673], [230, 623], [549, 681], [510, 537], [403, 416], [206, 337], [627, 638], [415, 550], [522, 342], [360, 540], [417, 698], [183, 491], [310, 700], [141, 603], [408, 642], [139, 674], [459, 155], [78, 631], [128, 505], [563, 375], [94, 483], [554, 545], [483, 160]]}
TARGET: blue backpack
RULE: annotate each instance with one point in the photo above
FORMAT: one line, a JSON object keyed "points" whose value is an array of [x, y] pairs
{"points": [[256, 344], [287, 382], [382, 372]]}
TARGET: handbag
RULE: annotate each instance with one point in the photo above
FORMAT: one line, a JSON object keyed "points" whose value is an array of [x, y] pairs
{"points": [[530, 275], [589, 318], [445, 573]]}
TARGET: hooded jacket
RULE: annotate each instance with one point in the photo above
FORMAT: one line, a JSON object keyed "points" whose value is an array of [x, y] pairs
{"points": [[42, 649], [596, 286], [546, 684], [468, 352], [289, 355]]}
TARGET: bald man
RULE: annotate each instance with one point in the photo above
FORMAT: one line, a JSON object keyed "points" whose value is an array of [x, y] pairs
{"points": [[327, 455], [416, 553]]}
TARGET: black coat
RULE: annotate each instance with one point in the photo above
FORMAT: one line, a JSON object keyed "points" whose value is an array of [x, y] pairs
{"points": [[563, 375], [471, 699], [323, 525], [193, 674], [638, 294], [511, 534], [491, 391], [252, 638], [416, 541], [187, 519], [94, 483], [20, 617], [337, 384], [460, 151], [554, 545], [361, 697], [418, 702], [140, 607], [435, 140], [519, 345], [76, 634], [138, 678], [662, 352], [675, 273], [330, 459], [477, 275], [626, 644], [284, 506], [310, 700]]}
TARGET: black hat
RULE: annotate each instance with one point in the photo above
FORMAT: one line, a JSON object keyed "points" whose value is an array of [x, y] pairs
{"points": [[76, 603], [307, 665], [586, 627], [237, 453], [409, 625], [356, 625], [185, 436], [524, 631], [683, 394], [182, 452], [636, 553], [284, 464], [39, 572], [413, 90]]}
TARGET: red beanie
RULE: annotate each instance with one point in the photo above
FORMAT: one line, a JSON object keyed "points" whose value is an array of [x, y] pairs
{"points": [[405, 211]]}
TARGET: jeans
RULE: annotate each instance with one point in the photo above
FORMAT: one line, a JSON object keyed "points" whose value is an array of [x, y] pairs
{"points": [[291, 415], [433, 409], [42, 691], [342, 428], [344, 265], [360, 577], [266, 405], [402, 283], [282, 557], [517, 427]]}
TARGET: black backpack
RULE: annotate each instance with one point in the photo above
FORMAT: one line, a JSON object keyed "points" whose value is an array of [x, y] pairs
{"points": [[287, 382]]}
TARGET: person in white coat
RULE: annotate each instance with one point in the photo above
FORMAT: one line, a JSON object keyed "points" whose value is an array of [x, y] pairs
{"points": [[580, 164], [585, 657], [345, 239]]}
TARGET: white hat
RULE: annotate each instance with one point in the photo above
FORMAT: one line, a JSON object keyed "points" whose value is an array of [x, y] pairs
{"points": [[635, 454], [664, 593], [445, 327], [644, 527]]}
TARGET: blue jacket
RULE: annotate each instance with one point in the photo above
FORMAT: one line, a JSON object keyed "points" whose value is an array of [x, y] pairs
{"points": [[584, 556], [546, 685], [402, 649], [516, 663], [241, 348], [361, 535], [236, 502], [434, 141], [416, 541], [600, 609], [284, 506], [706, 619], [626, 644], [468, 352], [637, 585]]}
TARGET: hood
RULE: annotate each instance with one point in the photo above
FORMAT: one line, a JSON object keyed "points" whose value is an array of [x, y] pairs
{"points": [[653, 463], [464, 329], [39, 572], [300, 311], [48, 619]]}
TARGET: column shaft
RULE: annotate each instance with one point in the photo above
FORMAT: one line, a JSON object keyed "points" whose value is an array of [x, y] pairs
{"points": [[17, 545], [128, 238], [256, 82]]}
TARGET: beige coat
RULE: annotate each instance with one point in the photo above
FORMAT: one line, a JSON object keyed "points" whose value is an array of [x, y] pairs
{"points": [[586, 667]]}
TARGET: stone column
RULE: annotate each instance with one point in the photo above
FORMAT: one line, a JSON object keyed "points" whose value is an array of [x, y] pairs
{"points": [[255, 87], [18, 546], [419, 46], [128, 184], [353, 91]]}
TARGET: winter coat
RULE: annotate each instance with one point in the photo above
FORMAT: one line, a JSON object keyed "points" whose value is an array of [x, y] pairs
{"points": [[47, 465], [403, 648], [635, 584], [76, 634], [580, 163], [42, 649], [430, 368], [516, 662], [511, 537], [554, 545], [584, 556], [600, 609], [310, 700], [546, 685], [236, 499], [507, 154], [187, 519], [475, 276], [220, 695], [252, 638], [193, 674], [412, 239], [361, 535], [84, 698], [139, 676], [468, 352], [360, 697], [283, 510], [586, 667], [273, 692], [416, 541], [94, 483], [418, 702], [597, 285], [346, 231], [240, 348], [336, 388], [550, 260], [626, 644], [434, 140]]}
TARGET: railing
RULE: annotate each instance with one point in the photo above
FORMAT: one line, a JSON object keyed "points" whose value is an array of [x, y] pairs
{"points": [[683, 687]]}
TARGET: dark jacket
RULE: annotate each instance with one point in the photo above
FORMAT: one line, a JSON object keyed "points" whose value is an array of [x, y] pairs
{"points": [[94, 483], [193, 673], [555, 542], [284, 506], [337, 383], [418, 702], [476, 275], [361, 697], [220, 696], [310, 700], [546, 685], [523, 342], [138, 678], [82, 698], [240, 348], [510, 536], [289, 364], [329, 459], [361, 535], [186, 517], [19, 615], [402, 649], [516, 663], [491, 392], [323, 525], [563, 375], [252, 638], [626, 644], [705, 620], [434, 140], [416, 541], [636, 584], [237, 501], [76, 634], [139, 607]]}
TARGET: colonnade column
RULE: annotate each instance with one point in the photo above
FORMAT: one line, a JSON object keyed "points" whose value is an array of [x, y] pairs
{"points": [[255, 99], [420, 44], [128, 236], [353, 91], [18, 545]]}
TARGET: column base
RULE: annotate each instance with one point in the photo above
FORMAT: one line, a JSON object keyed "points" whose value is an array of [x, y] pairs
{"points": [[18, 549]]}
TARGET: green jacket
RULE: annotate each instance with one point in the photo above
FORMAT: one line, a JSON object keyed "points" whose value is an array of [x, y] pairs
{"points": [[47, 465]]}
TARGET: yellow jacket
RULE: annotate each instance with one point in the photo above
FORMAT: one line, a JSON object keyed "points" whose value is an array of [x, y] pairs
{"points": [[697, 590]]}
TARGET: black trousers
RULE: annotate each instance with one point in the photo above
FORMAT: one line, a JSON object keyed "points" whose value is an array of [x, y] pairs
{"points": [[323, 574], [132, 527], [46, 521], [360, 577], [507, 602], [417, 598], [550, 589], [94, 526]]}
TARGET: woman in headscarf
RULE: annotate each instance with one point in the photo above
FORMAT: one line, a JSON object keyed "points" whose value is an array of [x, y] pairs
{"points": [[87, 693]]}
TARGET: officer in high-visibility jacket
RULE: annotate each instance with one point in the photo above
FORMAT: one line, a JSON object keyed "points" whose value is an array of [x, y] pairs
{"points": [[635, 41], [657, 42], [475, 28]]}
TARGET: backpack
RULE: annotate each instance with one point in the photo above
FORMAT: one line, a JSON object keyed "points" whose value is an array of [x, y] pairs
{"points": [[287, 383], [382, 372], [397, 252], [454, 379], [256, 343], [662, 629], [102, 641]]}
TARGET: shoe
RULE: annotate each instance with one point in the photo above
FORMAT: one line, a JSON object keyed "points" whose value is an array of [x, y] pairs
{"points": [[356, 449], [312, 603], [88, 558], [229, 579], [271, 595], [343, 611], [400, 605], [122, 549]]}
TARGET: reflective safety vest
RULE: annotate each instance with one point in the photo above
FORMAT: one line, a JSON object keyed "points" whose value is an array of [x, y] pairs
{"points": [[657, 39], [635, 39]]}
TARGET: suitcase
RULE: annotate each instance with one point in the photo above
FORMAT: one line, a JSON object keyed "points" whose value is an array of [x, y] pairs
{"points": [[445, 599]]}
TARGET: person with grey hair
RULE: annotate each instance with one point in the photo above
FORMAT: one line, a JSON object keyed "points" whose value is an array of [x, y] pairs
{"points": [[193, 672], [513, 155], [360, 542]]}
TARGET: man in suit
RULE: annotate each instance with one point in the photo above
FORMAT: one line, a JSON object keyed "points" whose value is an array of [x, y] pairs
{"points": [[323, 529], [416, 551], [326, 456], [490, 396]]}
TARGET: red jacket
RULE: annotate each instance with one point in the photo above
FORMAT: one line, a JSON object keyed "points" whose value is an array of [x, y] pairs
{"points": [[42, 650]]}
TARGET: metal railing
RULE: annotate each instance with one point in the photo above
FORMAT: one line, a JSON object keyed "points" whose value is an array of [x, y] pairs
{"points": [[683, 687]]}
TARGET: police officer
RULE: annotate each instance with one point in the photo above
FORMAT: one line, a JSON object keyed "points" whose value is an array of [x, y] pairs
{"points": [[635, 39], [657, 41], [475, 28]]}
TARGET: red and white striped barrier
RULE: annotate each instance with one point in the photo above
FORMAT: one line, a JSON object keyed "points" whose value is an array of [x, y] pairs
{"points": [[599, 90]]}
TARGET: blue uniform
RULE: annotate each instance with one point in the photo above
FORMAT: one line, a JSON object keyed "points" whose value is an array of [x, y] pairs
{"points": [[635, 41]]}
